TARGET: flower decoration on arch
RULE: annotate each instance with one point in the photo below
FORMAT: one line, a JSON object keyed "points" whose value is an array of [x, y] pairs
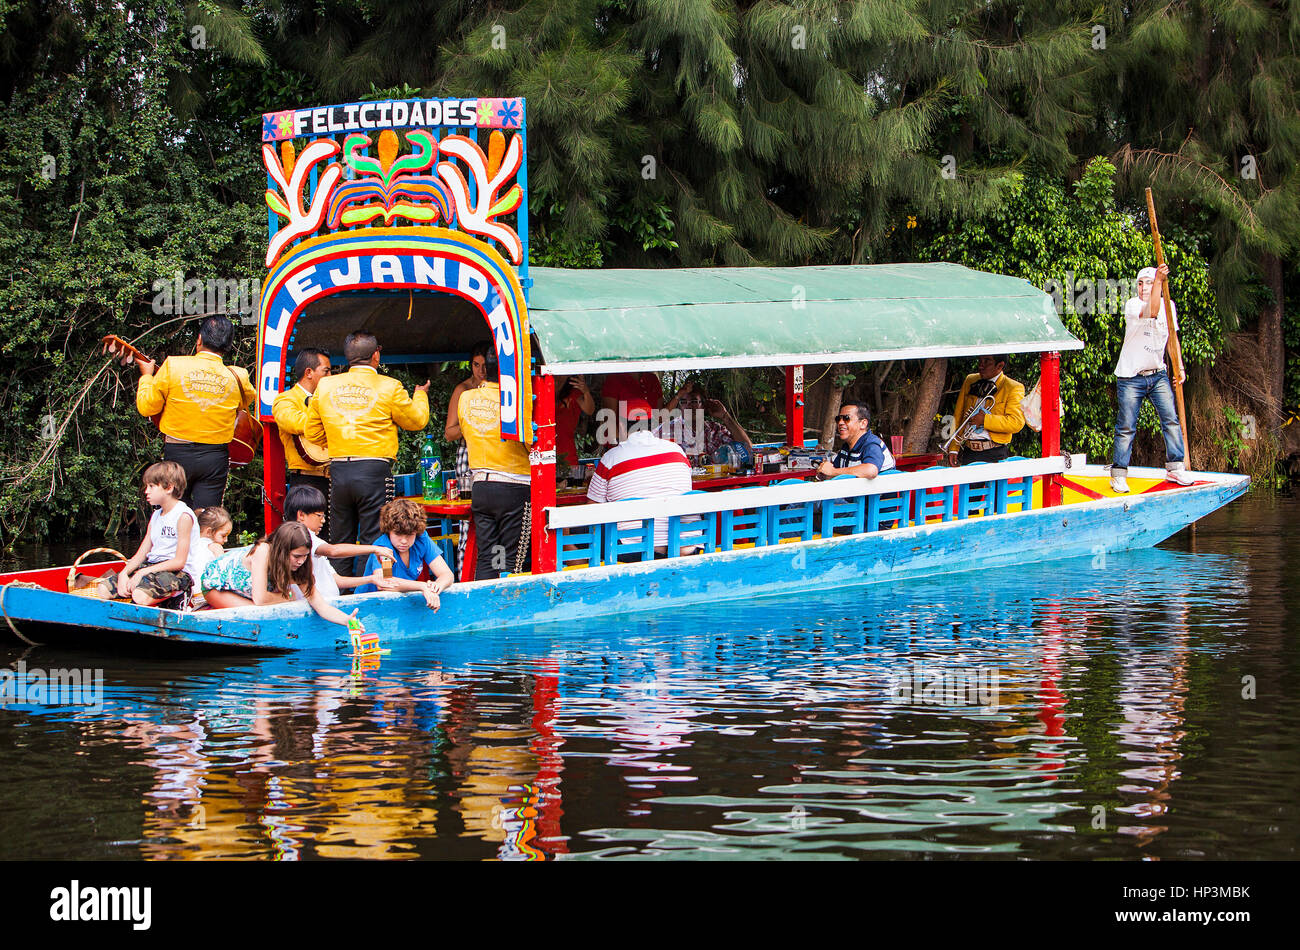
{"points": [[389, 186], [291, 176]]}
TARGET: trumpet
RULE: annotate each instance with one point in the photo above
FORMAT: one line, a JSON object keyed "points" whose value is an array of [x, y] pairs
{"points": [[983, 404]]}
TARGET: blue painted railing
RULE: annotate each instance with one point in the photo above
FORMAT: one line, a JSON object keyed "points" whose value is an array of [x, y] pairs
{"points": [[793, 510]]}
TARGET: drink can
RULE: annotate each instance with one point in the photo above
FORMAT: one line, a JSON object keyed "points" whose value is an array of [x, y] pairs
{"points": [[453, 490]]}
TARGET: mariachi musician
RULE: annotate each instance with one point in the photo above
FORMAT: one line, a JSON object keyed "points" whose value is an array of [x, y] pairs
{"points": [[992, 401], [199, 398], [355, 415], [306, 460]]}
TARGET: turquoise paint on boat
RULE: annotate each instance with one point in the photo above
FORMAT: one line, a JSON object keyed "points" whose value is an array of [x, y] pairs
{"points": [[575, 597]]}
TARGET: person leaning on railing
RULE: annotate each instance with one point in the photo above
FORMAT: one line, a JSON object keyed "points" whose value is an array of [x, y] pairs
{"points": [[989, 437], [863, 453]]}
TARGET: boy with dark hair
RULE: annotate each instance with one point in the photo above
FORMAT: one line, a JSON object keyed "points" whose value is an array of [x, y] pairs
{"points": [[305, 504], [166, 563]]}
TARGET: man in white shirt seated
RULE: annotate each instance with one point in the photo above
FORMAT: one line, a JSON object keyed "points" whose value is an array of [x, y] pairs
{"points": [[641, 466], [1140, 374]]}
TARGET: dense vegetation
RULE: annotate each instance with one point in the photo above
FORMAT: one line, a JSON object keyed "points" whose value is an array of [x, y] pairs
{"points": [[665, 133]]}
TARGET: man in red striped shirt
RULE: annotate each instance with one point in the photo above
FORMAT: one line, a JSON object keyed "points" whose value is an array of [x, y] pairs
{"points": [[641, 466]]}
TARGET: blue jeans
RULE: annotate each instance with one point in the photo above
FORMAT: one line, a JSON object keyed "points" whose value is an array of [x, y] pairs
{"points": [[1132, 390]]}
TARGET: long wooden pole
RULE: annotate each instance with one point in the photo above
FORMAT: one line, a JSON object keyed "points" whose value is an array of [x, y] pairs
{"points": [[1173, 348]]}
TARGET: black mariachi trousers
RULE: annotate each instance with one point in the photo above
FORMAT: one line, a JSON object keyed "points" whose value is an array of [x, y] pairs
{"points": [[357, 491], [996, 454], [498, 512], [206, 467]]}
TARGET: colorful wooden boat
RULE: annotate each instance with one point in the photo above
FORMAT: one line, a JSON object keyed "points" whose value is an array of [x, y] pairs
{"points": [[422, 238]]}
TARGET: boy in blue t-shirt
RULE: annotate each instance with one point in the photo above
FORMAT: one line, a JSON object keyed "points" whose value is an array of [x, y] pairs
{"points": [[417, 565]]}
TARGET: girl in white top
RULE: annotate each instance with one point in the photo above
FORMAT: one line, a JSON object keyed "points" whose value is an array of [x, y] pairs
{"points": [[215, 525]]}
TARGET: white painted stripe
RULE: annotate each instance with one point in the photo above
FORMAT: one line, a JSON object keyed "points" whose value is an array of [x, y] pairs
{"points": [[574, 516], [792, 359]]}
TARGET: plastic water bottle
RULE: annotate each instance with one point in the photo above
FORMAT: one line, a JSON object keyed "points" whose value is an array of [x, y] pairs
{"points": [[431, 471]]}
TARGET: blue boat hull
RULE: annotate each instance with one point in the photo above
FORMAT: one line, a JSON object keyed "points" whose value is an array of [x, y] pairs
{"points": [[574, 597]]}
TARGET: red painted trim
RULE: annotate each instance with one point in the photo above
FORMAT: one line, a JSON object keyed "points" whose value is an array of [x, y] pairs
{"points": [[793, 407], [1051, 435], [1075, 486], [545, 558], [273, 476], [635, 465]]}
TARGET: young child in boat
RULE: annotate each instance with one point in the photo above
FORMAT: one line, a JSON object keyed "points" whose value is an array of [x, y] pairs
{"points": [[165, 564], [305, 504], [417, 565], [215, 525], [267, 573]]}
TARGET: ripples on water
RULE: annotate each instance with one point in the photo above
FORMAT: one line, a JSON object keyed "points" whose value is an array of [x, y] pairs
{"points": [[1116, 727]]}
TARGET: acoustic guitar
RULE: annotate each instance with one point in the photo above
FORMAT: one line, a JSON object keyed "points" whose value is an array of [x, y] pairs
{"points": [[312, 452], [248, 430]]}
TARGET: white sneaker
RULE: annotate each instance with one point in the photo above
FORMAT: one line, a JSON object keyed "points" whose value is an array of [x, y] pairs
{"points": [[1119, 484], [1179, 476]]}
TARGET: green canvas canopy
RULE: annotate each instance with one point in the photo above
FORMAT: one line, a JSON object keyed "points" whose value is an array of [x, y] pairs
{"points": [[601, 321]]}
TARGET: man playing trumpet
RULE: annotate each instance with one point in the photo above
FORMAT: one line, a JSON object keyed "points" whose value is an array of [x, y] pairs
{"points": [[988, 413]]}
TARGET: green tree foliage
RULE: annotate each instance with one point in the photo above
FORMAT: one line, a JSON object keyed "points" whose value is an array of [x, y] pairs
{"points": [[1209, 99], [105, 190], [661, 133]]}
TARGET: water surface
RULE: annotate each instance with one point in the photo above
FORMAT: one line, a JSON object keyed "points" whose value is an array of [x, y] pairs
{"points": [[1140, 706]]}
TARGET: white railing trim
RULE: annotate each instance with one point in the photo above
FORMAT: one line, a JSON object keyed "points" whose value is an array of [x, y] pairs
{"points": [[580, 516]]}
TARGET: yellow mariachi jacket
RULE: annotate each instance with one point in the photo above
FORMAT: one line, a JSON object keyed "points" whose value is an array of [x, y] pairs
{"points": [[1006, 418], [356, 414], [479, 411], [198, 397], [290, 412]]}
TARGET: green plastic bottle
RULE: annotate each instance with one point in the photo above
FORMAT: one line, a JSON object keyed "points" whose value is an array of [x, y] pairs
{"points": [[431, 471]]}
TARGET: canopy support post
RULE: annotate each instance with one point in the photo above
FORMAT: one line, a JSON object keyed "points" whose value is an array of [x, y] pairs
{"points": [[542, 464], [273, 476], [1050, 364], [794, 406]]}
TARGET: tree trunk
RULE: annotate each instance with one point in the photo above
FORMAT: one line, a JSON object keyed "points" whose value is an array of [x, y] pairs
{"points": [[836, 396], [1272, 351], [934, 374]]}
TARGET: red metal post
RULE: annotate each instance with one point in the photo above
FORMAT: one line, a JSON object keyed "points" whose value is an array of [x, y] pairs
{"points": [[542, 459], [273, 476], [794, 406], [1051, 435]]}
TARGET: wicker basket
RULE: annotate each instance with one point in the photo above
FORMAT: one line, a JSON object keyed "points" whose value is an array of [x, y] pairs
{"points": [[88, 590]]}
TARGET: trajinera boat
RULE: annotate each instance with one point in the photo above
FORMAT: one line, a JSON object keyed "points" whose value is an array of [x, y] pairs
{"points": [[408, 219]]}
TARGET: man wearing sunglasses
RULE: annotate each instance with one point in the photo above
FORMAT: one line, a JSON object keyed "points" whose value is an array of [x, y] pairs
{"points": [[863, 453]]}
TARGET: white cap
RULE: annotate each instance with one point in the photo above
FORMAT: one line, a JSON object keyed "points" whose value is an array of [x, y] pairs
{"points": [[1147, 273]]}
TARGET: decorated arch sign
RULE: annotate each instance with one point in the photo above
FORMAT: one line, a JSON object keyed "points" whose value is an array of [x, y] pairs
{"points": [[431, 259], [416, 194]]}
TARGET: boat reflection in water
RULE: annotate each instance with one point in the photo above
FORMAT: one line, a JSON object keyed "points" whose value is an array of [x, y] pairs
{"points": [[854, 724]]}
